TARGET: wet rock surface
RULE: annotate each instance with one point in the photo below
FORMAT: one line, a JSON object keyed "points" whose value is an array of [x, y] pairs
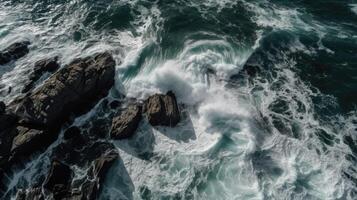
{"points": [[162, 110], [28, 140], [95, 158], [33, 122], [14, 51], [125, 125], [74, 88], [40, 68]]}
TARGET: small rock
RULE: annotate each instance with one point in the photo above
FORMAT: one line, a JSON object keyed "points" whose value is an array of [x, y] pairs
{"points": [[29, 140], [46, 65], [125, 125], [13, 52], [41, 67], [162, 110]]}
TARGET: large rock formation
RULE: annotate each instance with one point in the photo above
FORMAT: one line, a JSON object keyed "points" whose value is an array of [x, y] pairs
{"points": [[162, 110], [28, 140], [74, 88], [41, 67], [13, 52], [39, 115], [125, 125]]}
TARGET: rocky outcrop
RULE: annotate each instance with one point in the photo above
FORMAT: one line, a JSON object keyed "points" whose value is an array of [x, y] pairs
{"points": [[97, 174], [94, 158], [162, 110], [13, 52], [97, 157], [72, 89], [46, 65], [40, 114], [125, 125]]}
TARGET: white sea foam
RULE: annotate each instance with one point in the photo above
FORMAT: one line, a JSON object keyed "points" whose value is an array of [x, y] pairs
{"points": [[354, 8]]}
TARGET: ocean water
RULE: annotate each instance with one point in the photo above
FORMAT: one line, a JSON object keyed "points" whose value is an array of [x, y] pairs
{"points": [[286, 131]]}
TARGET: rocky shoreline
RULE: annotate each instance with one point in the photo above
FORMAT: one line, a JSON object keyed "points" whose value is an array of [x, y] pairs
{"points": [[32, 122]]}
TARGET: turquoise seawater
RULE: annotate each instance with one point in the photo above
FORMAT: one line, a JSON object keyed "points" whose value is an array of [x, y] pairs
{"points": [[268, 90]]}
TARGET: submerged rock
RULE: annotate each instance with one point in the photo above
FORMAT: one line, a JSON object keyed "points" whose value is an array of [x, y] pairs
{"points": [[125, 125], [41, 67], [96, 174], [95, 159], [72, 89], [59, 179], [14, 51], [114, 104], [162, 110]]}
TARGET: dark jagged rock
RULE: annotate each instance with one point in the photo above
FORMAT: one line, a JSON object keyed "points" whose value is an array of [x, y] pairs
{"points": [[98, 157], [2, 107], [81, 150], [41, 67], [30, 194], [29, 140], [14, 51], [73, 89], [40, 114], [8, 122], [162, 110], [125, 125], [97, 174], [95, 157], [59, 179], [72, 132]]}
